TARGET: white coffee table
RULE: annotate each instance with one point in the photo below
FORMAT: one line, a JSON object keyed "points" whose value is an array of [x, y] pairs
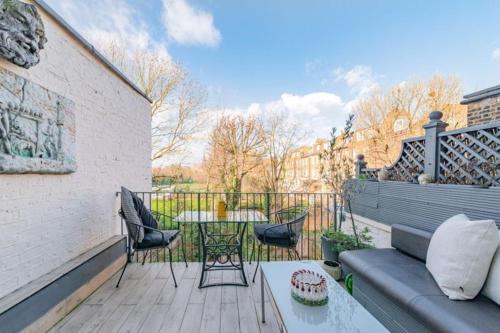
{"points": [[342, 313]]}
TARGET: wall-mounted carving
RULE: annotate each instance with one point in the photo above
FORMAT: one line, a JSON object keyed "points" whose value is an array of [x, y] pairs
{"points": [[37, 128], [22, 34]]}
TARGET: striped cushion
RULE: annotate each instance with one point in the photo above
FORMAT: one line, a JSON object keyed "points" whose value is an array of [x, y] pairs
{"points": [[131, 216]]}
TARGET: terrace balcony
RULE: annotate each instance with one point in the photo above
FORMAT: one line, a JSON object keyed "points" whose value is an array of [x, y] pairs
{"points": [[81, 296], [147, 301], [74, 129]]}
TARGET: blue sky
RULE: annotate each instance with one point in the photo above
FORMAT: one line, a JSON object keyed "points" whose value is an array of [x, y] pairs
{"points": [[266, 45], [310, 58]]}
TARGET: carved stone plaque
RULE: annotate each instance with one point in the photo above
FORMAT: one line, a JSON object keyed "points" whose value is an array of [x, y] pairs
{"points": [[37, 128]]}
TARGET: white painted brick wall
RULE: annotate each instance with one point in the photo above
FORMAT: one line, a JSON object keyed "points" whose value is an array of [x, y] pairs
{"points": [[45, 220]]}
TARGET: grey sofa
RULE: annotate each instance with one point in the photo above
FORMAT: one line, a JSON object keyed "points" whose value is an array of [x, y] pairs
{"points": [[394, 285]]}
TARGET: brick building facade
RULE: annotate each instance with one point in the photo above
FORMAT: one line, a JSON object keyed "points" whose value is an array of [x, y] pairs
{"points": [[483, 106]]}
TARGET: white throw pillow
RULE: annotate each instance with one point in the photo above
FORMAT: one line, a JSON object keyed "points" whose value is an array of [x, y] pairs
{"points": [[492, 285], [460, 254]]}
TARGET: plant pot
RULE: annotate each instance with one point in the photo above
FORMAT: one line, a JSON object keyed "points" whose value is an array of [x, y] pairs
{"points": [[328, 253], [334, 268], [425, 178]]}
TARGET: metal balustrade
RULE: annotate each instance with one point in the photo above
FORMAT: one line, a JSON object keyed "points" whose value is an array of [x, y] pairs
{"points": [[171, 204]]}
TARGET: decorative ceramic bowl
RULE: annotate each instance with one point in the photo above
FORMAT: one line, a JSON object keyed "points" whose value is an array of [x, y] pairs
{"points": [[309, 288]]}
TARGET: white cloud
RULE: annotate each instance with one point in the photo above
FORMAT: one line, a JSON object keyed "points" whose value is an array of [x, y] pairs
{"points": [[109, 21], [311, 104], [360, 79], [188, 25], [495, 55]]}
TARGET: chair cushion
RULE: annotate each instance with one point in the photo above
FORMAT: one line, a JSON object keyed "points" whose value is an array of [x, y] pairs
{"points": [[154, 239], [278, 236], [144, 213], [131, 215], [406, 282], [460, 254]]}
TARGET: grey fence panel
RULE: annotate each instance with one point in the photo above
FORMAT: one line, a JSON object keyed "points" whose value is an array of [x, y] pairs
{"points": [[424, 206]]}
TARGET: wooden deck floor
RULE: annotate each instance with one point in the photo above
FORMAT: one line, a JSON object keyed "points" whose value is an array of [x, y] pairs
{"points": [[148, 302]]}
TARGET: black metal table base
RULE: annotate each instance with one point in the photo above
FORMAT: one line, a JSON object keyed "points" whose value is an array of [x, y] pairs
{"points": [[204, 284], [219, 250]]}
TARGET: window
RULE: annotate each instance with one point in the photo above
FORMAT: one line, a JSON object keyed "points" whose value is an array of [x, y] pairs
{"points": [[401, 124]]}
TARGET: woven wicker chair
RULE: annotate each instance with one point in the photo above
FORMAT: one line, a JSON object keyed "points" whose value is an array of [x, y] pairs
{"points": [[285, 233], [152, 238]]}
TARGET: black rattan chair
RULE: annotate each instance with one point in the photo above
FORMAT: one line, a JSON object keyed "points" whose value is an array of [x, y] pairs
{"points": [[285, 233], [152, 238]]}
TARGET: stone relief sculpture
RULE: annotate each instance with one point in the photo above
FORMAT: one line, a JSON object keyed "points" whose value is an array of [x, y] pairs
{"points": [[22, 34], [37, 128]]}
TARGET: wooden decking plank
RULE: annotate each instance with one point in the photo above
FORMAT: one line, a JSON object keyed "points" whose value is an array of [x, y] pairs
{"points": [[229, 292], [156, 306], [246, 311], [210, 320], [173, 320], [192, 270], [104, 292], [198, 295], [107, 309], [271, 324], [250, 269], [168, 292], [179, 269], [229, 322], [143, 285], [116, 320], [76, 319], [192, 318], [154, 320], [141, 311]]}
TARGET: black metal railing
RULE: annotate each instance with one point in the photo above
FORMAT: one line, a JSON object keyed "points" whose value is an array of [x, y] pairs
{"points": [[321, 207]]}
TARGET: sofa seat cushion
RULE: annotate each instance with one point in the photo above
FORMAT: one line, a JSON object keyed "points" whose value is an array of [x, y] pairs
{"points": [[440, 314], [155, 239], [398, 276], [406, 282], [278, 235]]}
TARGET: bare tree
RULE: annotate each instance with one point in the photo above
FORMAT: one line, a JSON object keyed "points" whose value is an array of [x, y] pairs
{"points": [[280, 138], [410, 101], [235, 149], [177, 100]]}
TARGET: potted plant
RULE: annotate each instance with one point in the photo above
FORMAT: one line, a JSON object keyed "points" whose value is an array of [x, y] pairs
{"points": [[335, 241]]}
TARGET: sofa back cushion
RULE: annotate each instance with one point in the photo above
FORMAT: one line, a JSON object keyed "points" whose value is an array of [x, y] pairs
{"points": [[492, 284], [411, 241], [460, 254]]}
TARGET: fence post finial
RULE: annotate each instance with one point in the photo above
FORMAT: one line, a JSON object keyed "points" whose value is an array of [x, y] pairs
{"points": [[360, 164], [432, 130]]}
